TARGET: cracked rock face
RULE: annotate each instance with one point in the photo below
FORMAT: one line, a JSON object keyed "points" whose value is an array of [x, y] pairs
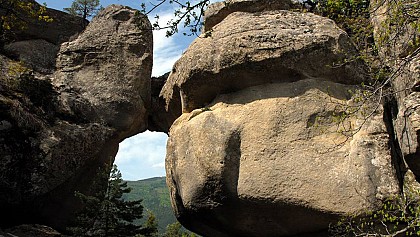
{"points": [[104, 75], [259, 48], [254, 162], [256, 149], [63, 128], [404, 60]]}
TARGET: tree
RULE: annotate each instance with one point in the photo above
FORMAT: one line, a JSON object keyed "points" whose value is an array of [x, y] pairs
{"points": [[175, 230], [15, 15], [107, 214], [150, 228], [84, 8], [187, 14]]}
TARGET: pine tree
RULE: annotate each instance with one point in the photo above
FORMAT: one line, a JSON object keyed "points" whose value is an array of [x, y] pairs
{"points": [[107, 213], [175, 230], [150, 228], [84, 8]]}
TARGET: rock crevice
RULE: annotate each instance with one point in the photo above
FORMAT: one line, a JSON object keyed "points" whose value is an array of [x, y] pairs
{"points": [[271, 85]]}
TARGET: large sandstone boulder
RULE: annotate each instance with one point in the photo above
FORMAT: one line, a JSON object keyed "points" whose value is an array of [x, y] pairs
{"points": [[269, 160], [258, 48], [103, 75], [258, 147], [57, 132]]}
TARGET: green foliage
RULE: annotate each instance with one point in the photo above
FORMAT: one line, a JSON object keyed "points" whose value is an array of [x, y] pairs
{"points": [[15, 14], [353, 16], [36, 95], [185, 13], [175, 230], [150, 228], [84, 8], [401, 26], [399, 216], [108, 214], [156, 200]]}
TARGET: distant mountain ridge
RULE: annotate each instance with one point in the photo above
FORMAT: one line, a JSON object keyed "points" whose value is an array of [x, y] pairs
{"points": [[155, 196]]}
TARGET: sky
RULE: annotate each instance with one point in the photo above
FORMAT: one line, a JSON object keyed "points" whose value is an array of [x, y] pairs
{"points": [[143, 156]]}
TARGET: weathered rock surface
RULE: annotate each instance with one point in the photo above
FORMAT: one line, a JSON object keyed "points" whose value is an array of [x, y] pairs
{"points": [[37, 44], [158, 117], [254, 148], [218, 11], [407, 121], [56, 32], [39, 54], [258, 48], [257, 149], [404, 62], [256, 162], [116, 52], [30, 231], [56, 131]]}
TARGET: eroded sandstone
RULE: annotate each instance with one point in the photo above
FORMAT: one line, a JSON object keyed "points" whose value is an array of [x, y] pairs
{"points": [[254, 162], [258, 149], [59, 130], [403, 61], [218, 11], [248, 49]]}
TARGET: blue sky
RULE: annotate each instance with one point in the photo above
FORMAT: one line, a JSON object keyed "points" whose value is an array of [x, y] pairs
{"points": [[143, 156]]}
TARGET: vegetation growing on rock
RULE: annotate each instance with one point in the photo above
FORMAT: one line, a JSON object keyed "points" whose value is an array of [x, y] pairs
{"points": [[14, 16], [43, 139]]}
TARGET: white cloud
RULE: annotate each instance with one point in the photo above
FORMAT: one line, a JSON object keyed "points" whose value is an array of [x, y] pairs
{"points": [[166, 50], [159, 165], [142, 156]]}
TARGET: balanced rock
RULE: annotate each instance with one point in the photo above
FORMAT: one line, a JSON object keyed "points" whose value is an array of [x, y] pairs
{"points": [[258, 48], [258, 147]]}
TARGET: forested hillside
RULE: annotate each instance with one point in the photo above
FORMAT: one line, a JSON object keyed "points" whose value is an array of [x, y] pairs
{"points": [[155, 197]]}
